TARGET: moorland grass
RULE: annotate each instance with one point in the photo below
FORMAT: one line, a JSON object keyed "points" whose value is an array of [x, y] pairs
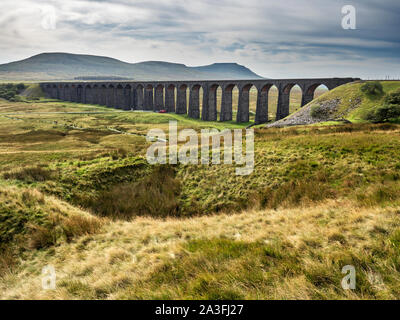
{"points": [[319, 198]]}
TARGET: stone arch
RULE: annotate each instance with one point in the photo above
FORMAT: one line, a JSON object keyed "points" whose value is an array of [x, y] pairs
{"points": [[119, 96], [285, 100], [159, 98], [55, 93], [138, 102], [262, 103], [227, 102], [73, 93], [243, 114], [181, 99], [103, 95], [195, 101], [61, 92], [295, 98], [79, 93], [111, 96], [213, 102], [66, 93], [148, 97], [127, 97], [170, 97], [309, 93], [273, 95], [47, 90], [95, 94], [88, 94]]}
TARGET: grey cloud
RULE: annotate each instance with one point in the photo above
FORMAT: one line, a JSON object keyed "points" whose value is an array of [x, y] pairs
{"points": [[268, 35]]}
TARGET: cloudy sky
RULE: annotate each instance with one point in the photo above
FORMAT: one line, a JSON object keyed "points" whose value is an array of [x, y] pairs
{"points": [[276, 39]]}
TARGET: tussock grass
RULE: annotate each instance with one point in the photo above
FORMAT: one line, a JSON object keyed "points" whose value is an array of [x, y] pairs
{"points": [[262, 254], [294, 167], [32, 220], [300, 166], [320, 197], [155, 195], [302, 192], [30, 174], [67, 228]]}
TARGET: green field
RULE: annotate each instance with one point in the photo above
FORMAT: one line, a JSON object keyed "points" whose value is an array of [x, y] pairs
{"points": [[79, 196]]}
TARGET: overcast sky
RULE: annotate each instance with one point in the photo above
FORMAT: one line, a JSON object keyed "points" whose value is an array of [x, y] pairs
{"points": [[275, 38]]}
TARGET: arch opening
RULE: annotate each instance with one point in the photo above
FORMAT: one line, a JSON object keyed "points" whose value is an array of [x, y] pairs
{"points": [[273, 94], [318, 90], [295, 98], [284, 101], [313, 92], [219, 97]]}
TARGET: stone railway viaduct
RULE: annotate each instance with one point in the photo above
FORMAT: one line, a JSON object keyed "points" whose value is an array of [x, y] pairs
{"points": [[160, 95]]}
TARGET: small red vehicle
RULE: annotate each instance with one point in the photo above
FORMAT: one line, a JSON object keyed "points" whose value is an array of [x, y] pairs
{"points": [[162, 111]]}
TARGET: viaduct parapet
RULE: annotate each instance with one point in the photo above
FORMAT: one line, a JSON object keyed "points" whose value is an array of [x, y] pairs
{"points": [[172, 95]]}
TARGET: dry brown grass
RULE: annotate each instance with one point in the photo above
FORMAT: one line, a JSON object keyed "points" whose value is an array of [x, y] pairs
{"points": [[122, 261], [29, 174], [155, 195], [31, 220], [66, 228]]}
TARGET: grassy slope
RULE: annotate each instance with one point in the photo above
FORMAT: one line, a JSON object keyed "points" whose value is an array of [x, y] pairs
{"points": [[354, 104], [284, 254], [336, 190]]}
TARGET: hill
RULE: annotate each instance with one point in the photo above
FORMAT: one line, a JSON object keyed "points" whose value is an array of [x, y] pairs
{"points": [[65, 66], [345, 103]]}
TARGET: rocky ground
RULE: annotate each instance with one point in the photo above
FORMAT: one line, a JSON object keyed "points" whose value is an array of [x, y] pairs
{"points": [[325, 111]]}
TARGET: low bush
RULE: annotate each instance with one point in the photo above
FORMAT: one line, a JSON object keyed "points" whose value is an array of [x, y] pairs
{"points": [[393, 98], [389, 111], [10, 91], [372, 88], [316, 111]]}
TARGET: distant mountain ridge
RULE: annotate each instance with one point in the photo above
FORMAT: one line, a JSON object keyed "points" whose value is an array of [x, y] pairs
{"points": [[67, 66]]}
